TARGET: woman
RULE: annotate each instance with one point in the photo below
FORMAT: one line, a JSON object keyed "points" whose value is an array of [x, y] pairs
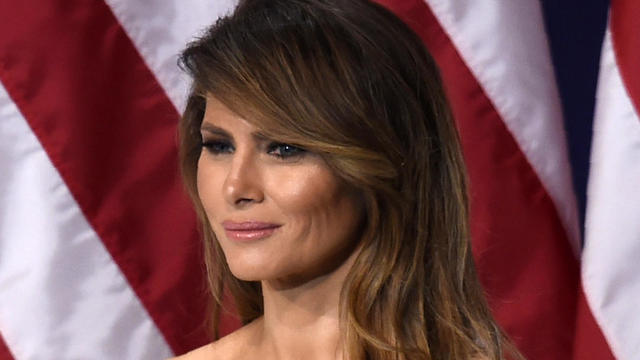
{"points": [[320, 154]]}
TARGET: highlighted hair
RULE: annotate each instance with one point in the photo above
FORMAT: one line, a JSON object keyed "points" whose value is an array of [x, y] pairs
{"points": [[350, 81]]}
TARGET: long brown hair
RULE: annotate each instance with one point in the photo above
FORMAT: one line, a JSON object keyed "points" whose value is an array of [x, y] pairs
{"points": [[350, 81]]}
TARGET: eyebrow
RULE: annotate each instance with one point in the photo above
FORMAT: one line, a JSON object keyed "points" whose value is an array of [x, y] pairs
{"points": [[215, 130]]}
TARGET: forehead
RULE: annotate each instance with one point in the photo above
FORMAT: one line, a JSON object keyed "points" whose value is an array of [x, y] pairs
{"points": [[243, 117], [219, 115]]}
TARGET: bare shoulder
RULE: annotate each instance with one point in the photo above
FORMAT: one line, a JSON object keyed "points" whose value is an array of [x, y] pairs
{"points": [[233, 346]]}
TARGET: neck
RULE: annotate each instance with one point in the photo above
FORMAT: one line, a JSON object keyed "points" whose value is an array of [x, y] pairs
{"points": [[304, 321]]}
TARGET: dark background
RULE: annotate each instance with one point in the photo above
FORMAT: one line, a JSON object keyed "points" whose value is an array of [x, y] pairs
{"points": [[576, 29]]}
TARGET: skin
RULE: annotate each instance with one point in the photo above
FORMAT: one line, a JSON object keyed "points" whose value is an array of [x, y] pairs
{"points": [[244, 176]]}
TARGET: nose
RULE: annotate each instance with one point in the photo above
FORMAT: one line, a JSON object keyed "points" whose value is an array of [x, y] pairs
{"points": [[242, 185]]}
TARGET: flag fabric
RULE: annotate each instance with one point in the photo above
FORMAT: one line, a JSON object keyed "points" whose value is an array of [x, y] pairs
{"points": [[99, 248], [99, 256], [612, 229]]}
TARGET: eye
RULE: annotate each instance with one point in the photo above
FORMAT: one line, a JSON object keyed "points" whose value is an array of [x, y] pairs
{"points": [[285, 151], [217, 146]]}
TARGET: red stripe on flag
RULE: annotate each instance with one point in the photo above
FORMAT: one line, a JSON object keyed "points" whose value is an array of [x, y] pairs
{"points": [[5, 354], [523, 253], [590, 342], [625, 31], [109, 129]]}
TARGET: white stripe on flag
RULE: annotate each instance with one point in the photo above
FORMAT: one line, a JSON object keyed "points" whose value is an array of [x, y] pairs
{"points": [[61, 294], [162, 30], [505, 46], [612, 231]]}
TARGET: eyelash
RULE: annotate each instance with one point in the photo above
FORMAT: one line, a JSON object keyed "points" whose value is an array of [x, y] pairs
{"points": [[294, 151], [219, 147]]}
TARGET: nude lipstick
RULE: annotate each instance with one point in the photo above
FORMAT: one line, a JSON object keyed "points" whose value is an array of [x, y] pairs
{"points": [[248, 230]]}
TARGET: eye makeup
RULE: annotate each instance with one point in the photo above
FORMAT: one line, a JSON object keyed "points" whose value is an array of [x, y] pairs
{"points": [[218, 141]]}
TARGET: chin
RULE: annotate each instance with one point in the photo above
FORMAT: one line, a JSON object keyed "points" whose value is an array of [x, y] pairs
{"points": [[251, 269], [281, 273], [245, 275]]}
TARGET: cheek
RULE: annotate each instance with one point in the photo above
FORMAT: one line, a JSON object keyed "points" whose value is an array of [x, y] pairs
{"points": [[209, 182], [316, 204], [311, 189], [324, 218]]}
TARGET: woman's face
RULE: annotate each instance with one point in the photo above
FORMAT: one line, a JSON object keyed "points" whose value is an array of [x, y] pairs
{"points": [[278, 211]]}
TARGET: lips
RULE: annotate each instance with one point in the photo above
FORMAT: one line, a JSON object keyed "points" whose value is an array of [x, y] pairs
{"points": [[248, 230]]}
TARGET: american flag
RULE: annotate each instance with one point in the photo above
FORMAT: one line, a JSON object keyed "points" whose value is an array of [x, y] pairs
{"points": [[99, 249]]}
